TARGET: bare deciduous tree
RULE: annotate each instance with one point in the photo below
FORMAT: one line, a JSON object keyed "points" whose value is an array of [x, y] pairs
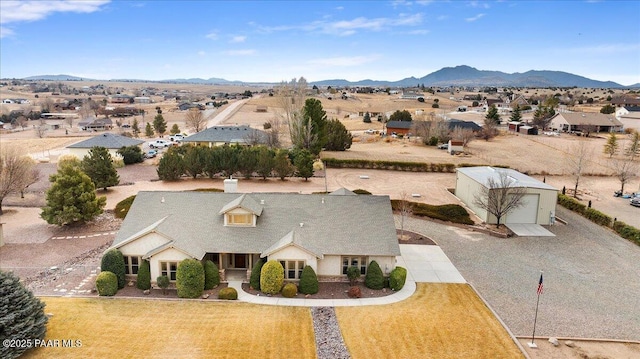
{"points": [[404, 209], [22, 121], [273, 139], [195, 120], [500, 196], [625, 170], [577, 162], [17, 171], [46, 105], [465, 135], [41, 129]]}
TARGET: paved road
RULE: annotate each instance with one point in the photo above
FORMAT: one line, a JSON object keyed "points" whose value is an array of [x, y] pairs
{"points": [[224, 114], [592, 277]]}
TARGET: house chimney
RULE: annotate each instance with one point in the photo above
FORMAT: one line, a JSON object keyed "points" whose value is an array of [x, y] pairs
{"points": [[230, 185]]}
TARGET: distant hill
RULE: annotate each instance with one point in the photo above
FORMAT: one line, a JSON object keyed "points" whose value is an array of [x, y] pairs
{"points": [[56, 78], [448, 76]]}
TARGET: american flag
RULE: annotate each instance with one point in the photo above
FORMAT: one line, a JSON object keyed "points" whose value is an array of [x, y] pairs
{"points": [[540, 285]]}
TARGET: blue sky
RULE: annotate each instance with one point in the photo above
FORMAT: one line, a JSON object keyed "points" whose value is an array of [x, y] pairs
{"points": [[273, 41]]}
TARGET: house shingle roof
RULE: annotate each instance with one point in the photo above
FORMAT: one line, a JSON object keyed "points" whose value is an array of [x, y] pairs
{"points": [[107, 140], [331, 225], [482, 174], [589, 119], [399, 124], [227, 134]]}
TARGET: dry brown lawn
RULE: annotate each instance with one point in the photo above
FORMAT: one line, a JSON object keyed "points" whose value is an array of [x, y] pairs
{"points": [[438, 321], [176, 329]]}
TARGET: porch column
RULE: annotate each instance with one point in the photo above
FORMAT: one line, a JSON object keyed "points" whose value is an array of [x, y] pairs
{"points": [[250, 261]]}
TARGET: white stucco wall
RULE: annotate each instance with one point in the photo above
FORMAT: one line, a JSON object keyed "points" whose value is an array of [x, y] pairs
{"points": [[294, 253], [386, 263], [168, 255], [144, 244], [330, 266]]}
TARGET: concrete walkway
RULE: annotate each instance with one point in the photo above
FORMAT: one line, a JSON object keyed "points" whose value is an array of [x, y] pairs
{"points": [[424, 263]]}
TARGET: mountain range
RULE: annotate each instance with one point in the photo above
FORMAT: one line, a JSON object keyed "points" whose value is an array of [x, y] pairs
{"points": [[448, 76]]}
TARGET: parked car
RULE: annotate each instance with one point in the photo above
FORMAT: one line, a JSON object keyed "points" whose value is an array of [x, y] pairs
{"points": [[443, 146], [151, 154], [635, 202], [178, 137], [159, 144], [369, 131]]}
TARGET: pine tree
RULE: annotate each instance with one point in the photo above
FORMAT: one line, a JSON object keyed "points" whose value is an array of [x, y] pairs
{"points": [[315, 116], [516, 116], [98, 165], [22, 315], [148, 130], [266, 162], [492, 115], [611, 147], [171, 166], [366, 118], [282, 165], [174, 129], [303, 161], [633, 149], [135, 128], [338, 138], [159, 125], [72, 197]]}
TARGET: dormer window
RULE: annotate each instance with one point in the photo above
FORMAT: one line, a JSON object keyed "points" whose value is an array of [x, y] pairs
{"points": [[239, 219], [241, 212]]}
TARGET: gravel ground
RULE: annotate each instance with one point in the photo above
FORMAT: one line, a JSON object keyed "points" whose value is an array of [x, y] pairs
{"points": [[329, 341], [591, 277]]}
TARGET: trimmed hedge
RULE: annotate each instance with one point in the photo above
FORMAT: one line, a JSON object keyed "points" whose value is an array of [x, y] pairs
{"points": [[571, 203], [107, 284], [228, 293], [446, 212], [122, 208], [597, 217], [144, 276], [309, 281], [163, 282], [289, 290], [390, 165], [211, 275], [190, 278], [374, 278], [254, 280], [113, 261], [397, 278], [627, 232], [271, 277]]}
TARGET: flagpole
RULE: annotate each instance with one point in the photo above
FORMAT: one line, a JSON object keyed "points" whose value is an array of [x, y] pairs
{"points": [[535, 320]]}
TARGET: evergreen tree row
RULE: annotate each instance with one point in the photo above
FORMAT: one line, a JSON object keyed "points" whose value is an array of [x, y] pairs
{"points": [[226, 161]]}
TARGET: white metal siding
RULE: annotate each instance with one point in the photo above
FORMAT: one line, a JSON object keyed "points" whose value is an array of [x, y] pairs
{"points": [[528, 212]]}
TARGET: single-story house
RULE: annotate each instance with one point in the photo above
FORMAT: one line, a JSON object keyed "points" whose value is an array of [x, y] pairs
{"points": [[110, 141], [227, 135], [626, 101], [629, 116], [95, 124], [234, 230], [539, 203], [399, 127], [453, 123], [585, 122]]}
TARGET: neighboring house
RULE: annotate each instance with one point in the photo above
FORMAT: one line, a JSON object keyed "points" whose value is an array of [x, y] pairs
{"points": [[411, 95], [454, 146], [453, 123], [585, 122], [629, 117], [399, 127], [261, 108], [626, 101], [519, 101], [539, 204], [95, 124], [187, 106], [142, 99], [227, 135], [234, 230], [120, 98], [108, 140]]}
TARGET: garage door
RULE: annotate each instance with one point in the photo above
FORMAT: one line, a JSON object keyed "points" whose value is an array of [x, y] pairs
{"points": [[527, 213]]}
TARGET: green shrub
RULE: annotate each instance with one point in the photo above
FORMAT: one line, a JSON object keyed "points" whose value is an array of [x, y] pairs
{"points": [[571, 203], [113, 261], [254, 280], [598, 217], [627, 232], [163, 282], [131, 154], [190, 278], [211, 275], [446, 212], [374, 278], [271, 277], [353, 273], [122, 208], [361, 191], [228, 293], [397, 278], [144, 276], [308, 281], [389, 165], [289, 290], [107, 284]]}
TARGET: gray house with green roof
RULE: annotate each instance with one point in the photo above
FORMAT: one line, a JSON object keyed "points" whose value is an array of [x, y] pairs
{"points": [[234, 230]]}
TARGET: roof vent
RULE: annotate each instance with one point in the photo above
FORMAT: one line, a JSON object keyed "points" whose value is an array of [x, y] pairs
{"points": [[323, 200], [301, 224], [162, 200], [262, 201]]}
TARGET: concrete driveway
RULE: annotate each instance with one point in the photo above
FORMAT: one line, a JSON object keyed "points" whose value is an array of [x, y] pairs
{"points": [[426, 263]]}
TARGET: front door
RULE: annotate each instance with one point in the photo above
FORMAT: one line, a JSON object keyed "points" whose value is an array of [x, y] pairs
{"points": [[240, 260]]}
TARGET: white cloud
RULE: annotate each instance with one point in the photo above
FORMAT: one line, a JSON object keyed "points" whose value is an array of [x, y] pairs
{"points": [[418, 32], [201, 53], [4, 32], [344, 61], [212, 35], [477, 17], [248, 52], [237, 39], [442, 17], [478, 4], [16, 11]]}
